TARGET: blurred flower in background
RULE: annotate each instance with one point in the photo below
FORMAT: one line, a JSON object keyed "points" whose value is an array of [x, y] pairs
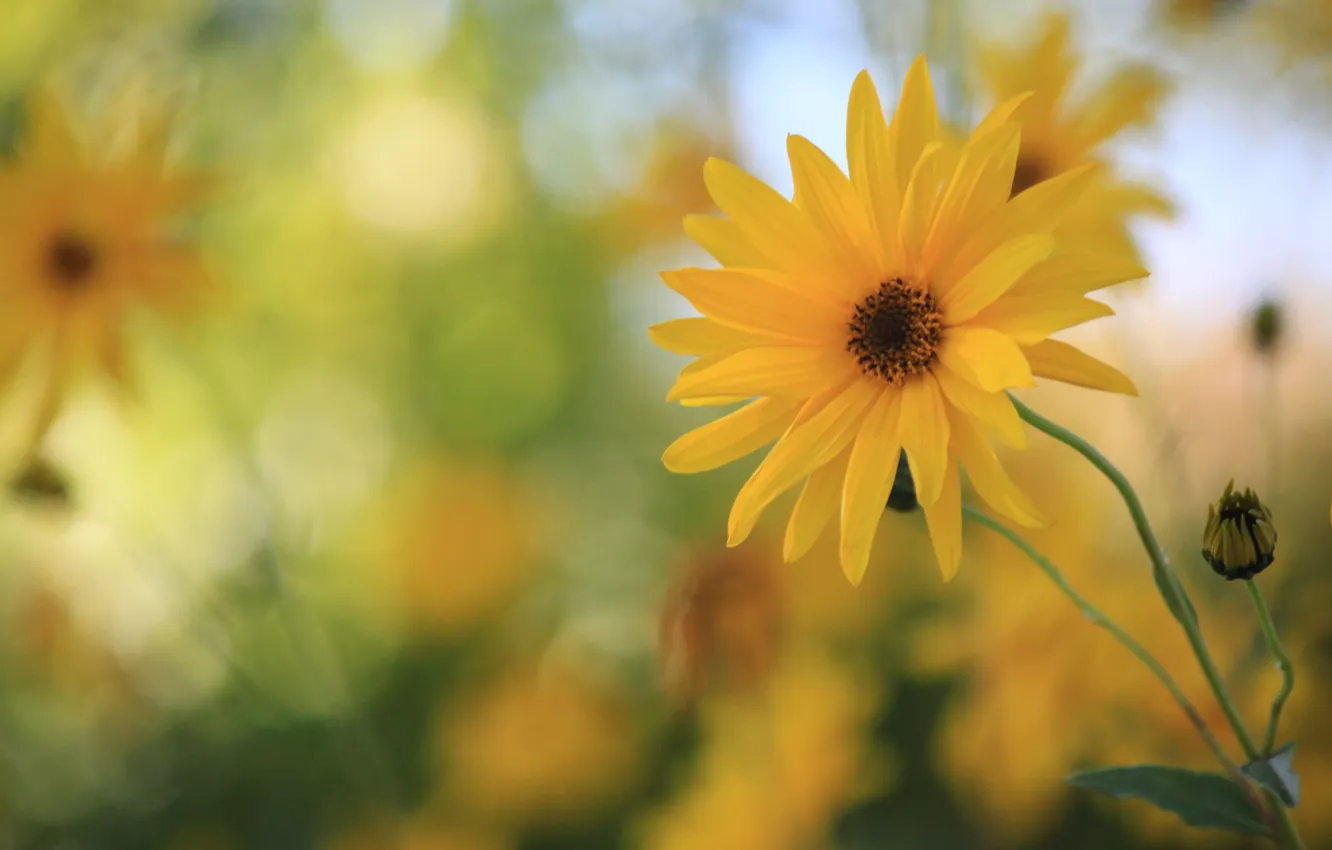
{"points": [[378, 551], [86, 238], [1058, 136]]}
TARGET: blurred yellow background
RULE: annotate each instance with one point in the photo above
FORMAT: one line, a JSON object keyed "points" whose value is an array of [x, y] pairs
{"points": [[374, 548]]}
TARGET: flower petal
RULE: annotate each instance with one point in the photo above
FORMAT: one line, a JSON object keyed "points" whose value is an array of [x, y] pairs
{"points": [[823, 428], [994, 409], [1028, 319], [980, 186], [793, 371], [758, 301], [700, 335], [732, 436], [1079, 273], [915, 124], [924, 434], [826, 195], [944, 519], [1001, 114], [869, 481], [1129, 97], [870, 160], [987, 475], [994, 276], [818, 502], [1038, 210], [776, 228], [723, 239], [1062, 362], [985, 357], [918, 207], [51, 136]]}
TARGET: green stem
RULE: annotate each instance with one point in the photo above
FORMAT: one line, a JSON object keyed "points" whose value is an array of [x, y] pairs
{"points": [[1176, 599], [1099, 618], [1283, 664], [1167, 581]]}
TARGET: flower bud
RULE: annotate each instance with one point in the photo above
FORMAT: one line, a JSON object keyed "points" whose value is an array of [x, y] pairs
{"points": [[1240, 538], [1265, 327], [721, 625]]}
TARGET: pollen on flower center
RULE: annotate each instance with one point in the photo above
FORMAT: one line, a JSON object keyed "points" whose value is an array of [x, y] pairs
{"points": [[896, 331], [70, 260]]}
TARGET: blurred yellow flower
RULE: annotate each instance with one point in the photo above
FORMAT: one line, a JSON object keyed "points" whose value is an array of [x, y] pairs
{"points": [[880, 314], [671, 188], [539, 743], [83, 239], [777, 768], [456, 546], [1058, 137]]}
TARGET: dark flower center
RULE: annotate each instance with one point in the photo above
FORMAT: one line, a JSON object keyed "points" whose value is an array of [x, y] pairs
{"points": [[1030, 170], [71, 261], [896, 331]]}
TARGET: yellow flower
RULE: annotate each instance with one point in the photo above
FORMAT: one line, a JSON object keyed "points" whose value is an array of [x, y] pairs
{"points": [[1058, 137], [882, 313], [82, 240]]}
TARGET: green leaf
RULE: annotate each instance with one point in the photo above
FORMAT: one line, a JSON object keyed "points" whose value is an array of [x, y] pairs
{"points": [[1277, 774], [1201, 799]]}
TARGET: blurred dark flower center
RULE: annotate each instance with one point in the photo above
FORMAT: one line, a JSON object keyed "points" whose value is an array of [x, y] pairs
{"points": [[1030, 170], [71, 260], [895, 332]]}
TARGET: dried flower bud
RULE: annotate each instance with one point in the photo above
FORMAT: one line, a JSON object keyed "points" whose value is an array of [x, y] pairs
{"points": [[1265, 327], [902, 498], [722, 624], [1240, 538]]}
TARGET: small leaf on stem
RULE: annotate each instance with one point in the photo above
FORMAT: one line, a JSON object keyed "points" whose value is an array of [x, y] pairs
{"points": [[1277, 774], [1207, 800]]}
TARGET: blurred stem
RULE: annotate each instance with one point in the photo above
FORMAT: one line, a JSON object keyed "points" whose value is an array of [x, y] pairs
{"points": [[1176, 599], [1099, 618], [1272, 425], [1283, 664]]}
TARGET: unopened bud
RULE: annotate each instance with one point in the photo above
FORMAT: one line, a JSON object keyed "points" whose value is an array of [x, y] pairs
{"points": [[1265, 327], [1240, 538]]}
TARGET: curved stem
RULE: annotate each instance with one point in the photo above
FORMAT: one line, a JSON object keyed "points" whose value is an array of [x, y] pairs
{"points": [[1167, 581], [1176, 599], [1099, 618], [1283, 664]]}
